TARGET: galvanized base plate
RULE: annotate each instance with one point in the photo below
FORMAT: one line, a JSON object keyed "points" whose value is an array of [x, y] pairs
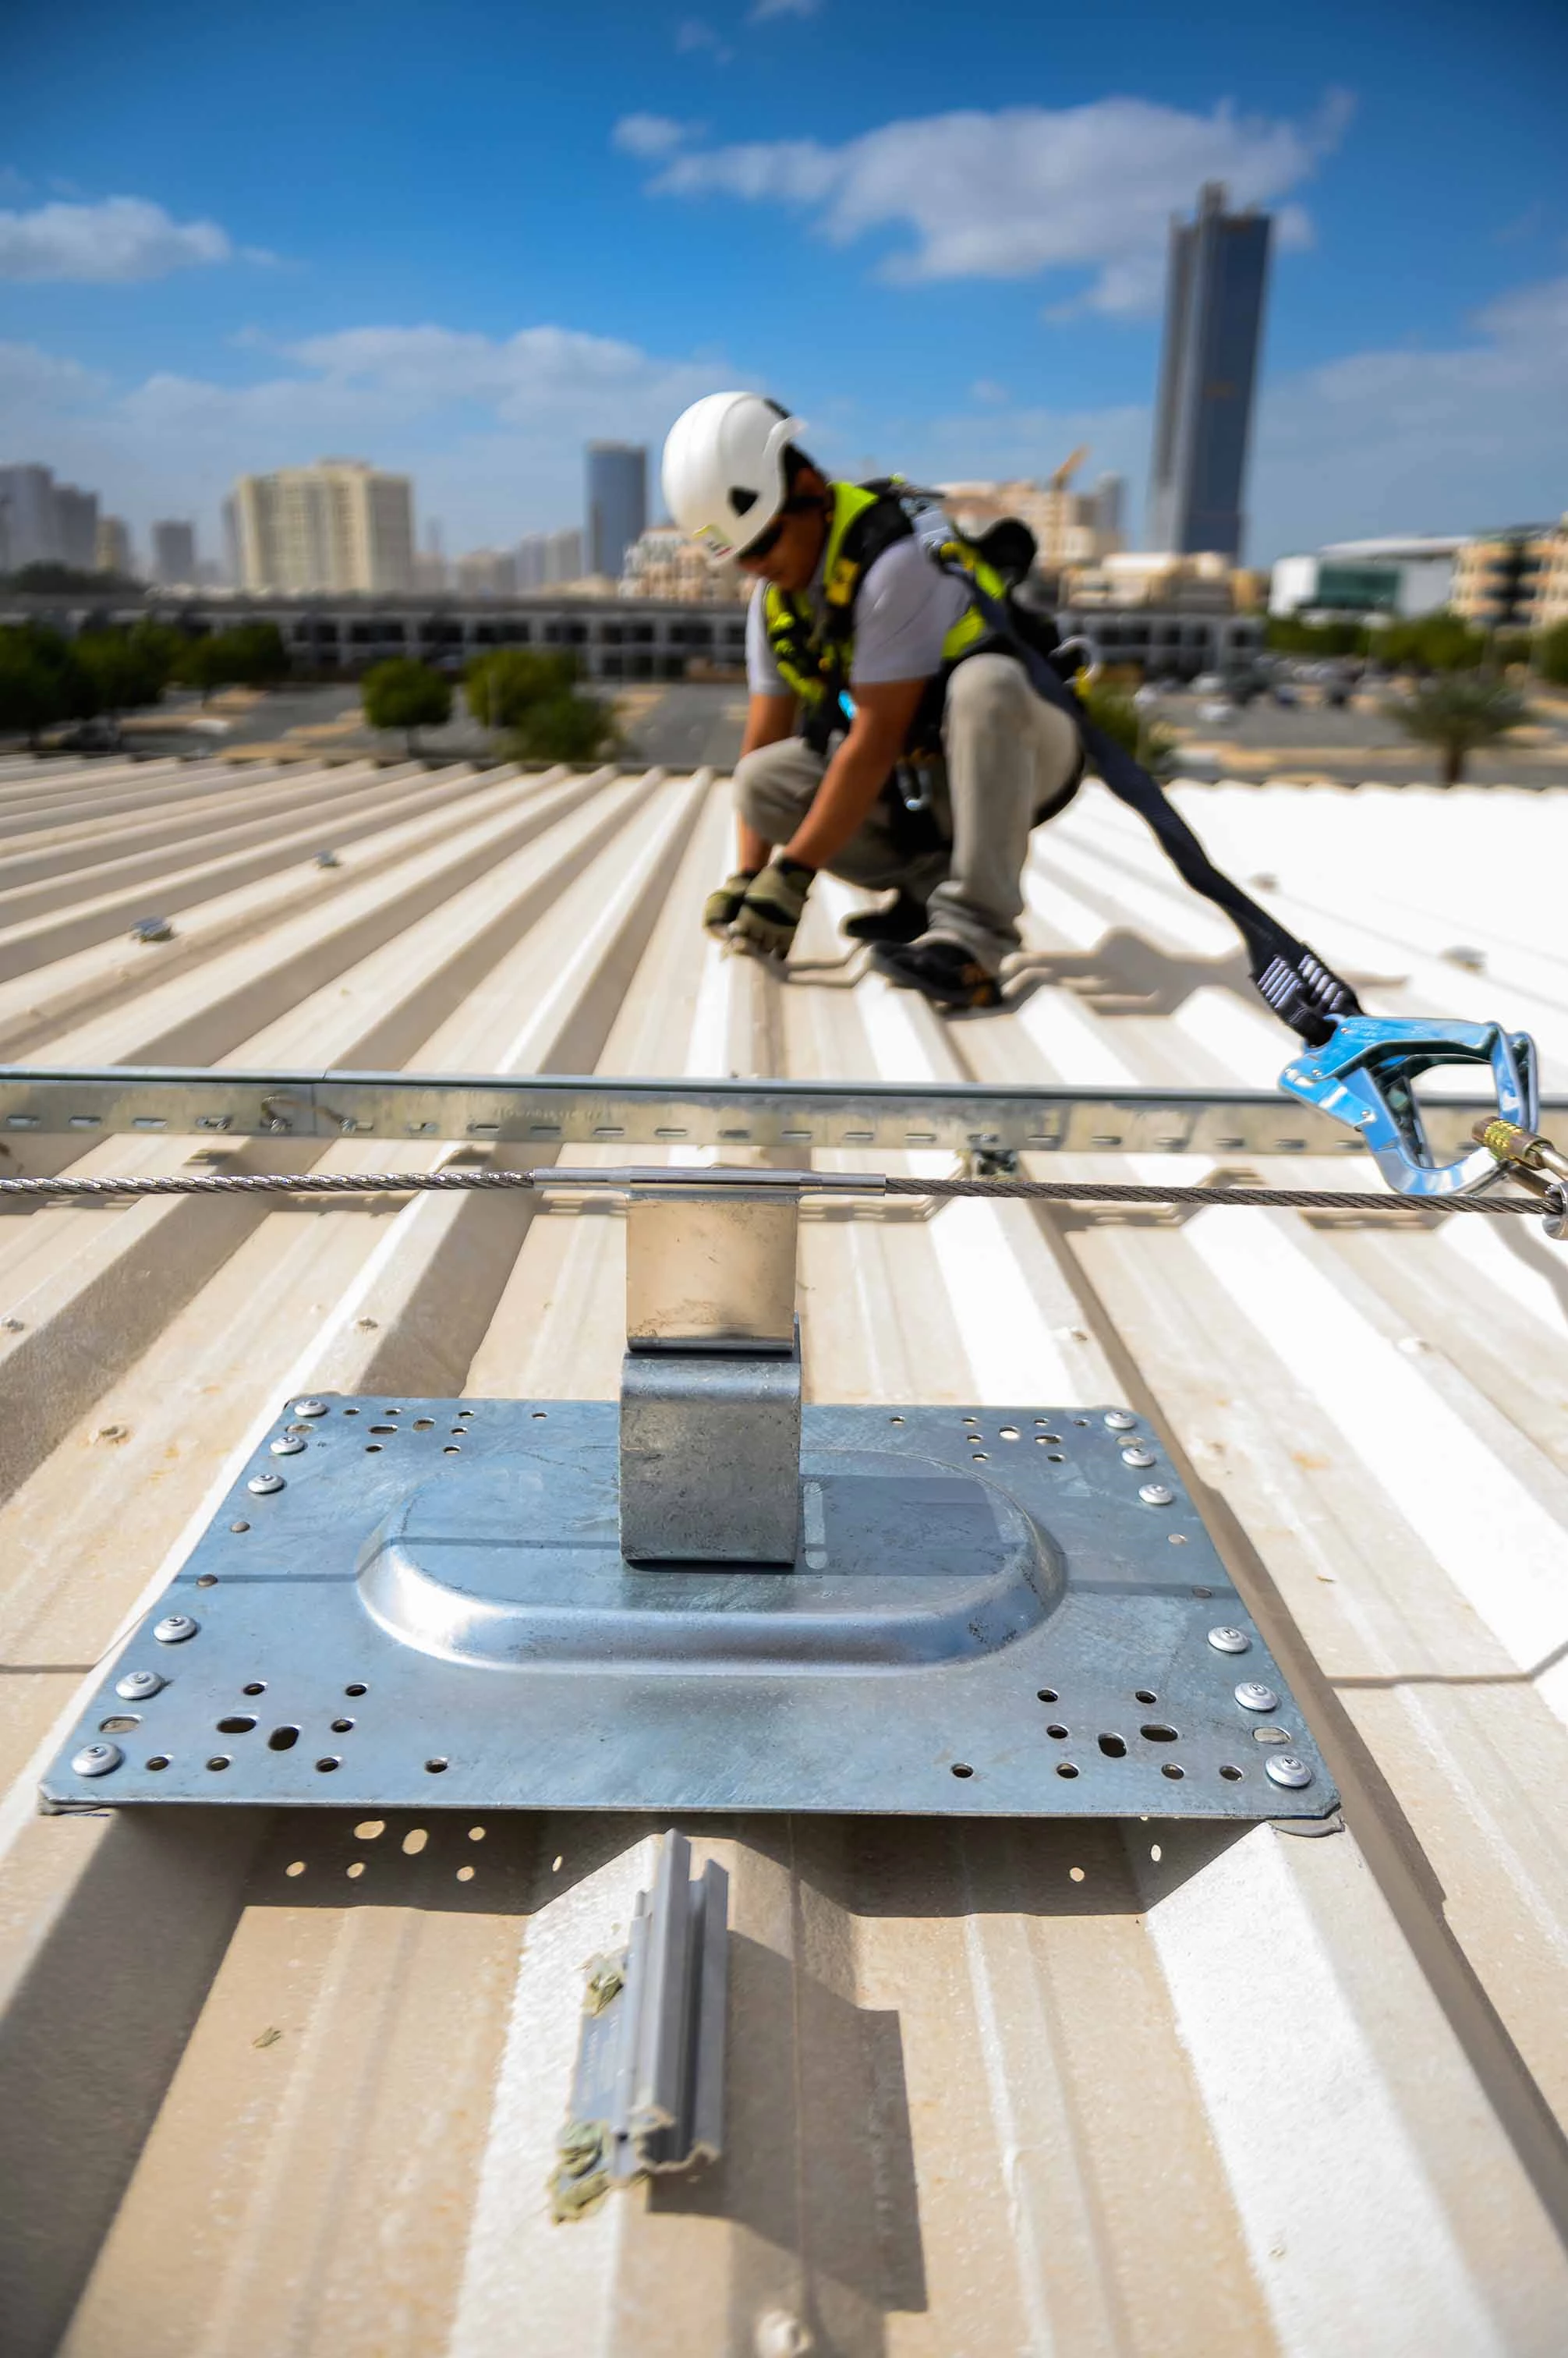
{"points": [[1012, 1613]]}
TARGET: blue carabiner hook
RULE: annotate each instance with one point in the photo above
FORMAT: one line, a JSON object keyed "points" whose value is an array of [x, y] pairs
{"points": [[1363, 1076]]}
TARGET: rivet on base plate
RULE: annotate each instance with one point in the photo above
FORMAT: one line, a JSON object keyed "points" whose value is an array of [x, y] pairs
{"points": [[1156, 1494], [1288, 1769], [1228, 1640], [174, 1628], [264, 1484], [1120, 1419], [138, 1686], [97, 1759]]}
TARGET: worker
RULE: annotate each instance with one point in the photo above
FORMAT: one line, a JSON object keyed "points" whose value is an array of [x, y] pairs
{"points": [[892, 737]]}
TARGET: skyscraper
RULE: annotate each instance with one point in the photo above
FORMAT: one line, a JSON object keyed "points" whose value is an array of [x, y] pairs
{"points": [[617, 503], [336, 525], [174, 553], [1213, 317]]}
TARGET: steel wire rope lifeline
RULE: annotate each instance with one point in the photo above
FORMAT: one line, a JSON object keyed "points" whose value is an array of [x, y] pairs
{"points": [[555, 1179]]}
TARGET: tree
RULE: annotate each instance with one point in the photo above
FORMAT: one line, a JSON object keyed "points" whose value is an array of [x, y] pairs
{"points": [[251, 655], [1288, 635], [121, 670], [1551, 655], [565, 727], [1457, 714], [46, 682], [406, 694], [1439, 642], [502, 687], [46, 577], [259, 654], [33, 692], [1122, 721]]}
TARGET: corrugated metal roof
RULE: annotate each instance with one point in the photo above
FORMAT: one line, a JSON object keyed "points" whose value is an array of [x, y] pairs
{"points": [[292, 2085]]}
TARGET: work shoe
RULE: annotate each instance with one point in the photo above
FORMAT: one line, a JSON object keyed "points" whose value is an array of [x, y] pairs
{"points": [[903, 919], [946, 970]]}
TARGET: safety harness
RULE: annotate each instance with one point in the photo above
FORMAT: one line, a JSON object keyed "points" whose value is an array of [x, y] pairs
{"points": [[813, 654]]}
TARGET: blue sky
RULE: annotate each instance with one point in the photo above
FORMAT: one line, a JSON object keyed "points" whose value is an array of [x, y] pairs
{"points": [[461, 239]]}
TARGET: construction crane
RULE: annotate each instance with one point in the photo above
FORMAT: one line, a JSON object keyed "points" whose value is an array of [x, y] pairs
{"points": [[1064, 474]]}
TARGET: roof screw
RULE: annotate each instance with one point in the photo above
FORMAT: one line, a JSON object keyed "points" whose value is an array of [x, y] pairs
{"points": [[287, 1445], [1253, 1695], [309, 1408], [1120, 1419], [1228, 1640], [174, 1628], [264, 1484], [1138, 1455], [1288, 1769], [96, 1759], [139, 1686], [1157, 1493]]}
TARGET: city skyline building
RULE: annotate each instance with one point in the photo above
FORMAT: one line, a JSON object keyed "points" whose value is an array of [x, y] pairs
{"points": [[46, 523], [1217, 282], [341, 525], [545, 560], [77, 511], [174, 553], [617, 504], [487, 573], [113, 552]]}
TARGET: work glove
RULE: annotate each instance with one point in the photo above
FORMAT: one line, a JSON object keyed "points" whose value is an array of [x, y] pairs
{"points": [[773, 908], [721, 909]]}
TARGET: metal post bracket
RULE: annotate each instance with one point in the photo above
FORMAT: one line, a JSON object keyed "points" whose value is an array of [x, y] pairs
{"points": [[418, 1603]]}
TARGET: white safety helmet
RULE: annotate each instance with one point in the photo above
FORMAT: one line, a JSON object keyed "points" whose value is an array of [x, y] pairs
{"points": [[724, 469]]}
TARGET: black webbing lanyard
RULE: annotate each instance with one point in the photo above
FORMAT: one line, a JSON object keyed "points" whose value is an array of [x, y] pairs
{"points": [[1292, 981]]}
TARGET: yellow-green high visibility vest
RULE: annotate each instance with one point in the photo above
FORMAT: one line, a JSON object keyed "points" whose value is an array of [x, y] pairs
{"points": [[813, 654]]}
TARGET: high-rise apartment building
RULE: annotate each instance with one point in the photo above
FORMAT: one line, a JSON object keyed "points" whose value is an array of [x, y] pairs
{"points": [[338, 525], [1110, 500], [487, 573], [1214, 318], [112, 553], [174, 553], [77, 523], [617, 503], [46, 523], [29, 534], [1497, 577]]}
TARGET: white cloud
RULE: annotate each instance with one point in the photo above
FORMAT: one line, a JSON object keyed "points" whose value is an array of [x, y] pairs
{"points": [[762, 9], [30, 377], [1411, 440], [490, 428], [117, 241], [695, 33], [1025, 190], [651, 135]]}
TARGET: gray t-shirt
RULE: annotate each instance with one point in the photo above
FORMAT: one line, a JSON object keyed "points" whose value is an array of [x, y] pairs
{"points": [[905, 610]]}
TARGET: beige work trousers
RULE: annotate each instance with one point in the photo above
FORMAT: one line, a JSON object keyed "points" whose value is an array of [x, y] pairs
{"points": [[1009, 756]]}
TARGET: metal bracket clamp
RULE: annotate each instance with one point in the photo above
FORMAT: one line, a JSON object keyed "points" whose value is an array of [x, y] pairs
{"points": [[648, 2092], [1364, 1076]]}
